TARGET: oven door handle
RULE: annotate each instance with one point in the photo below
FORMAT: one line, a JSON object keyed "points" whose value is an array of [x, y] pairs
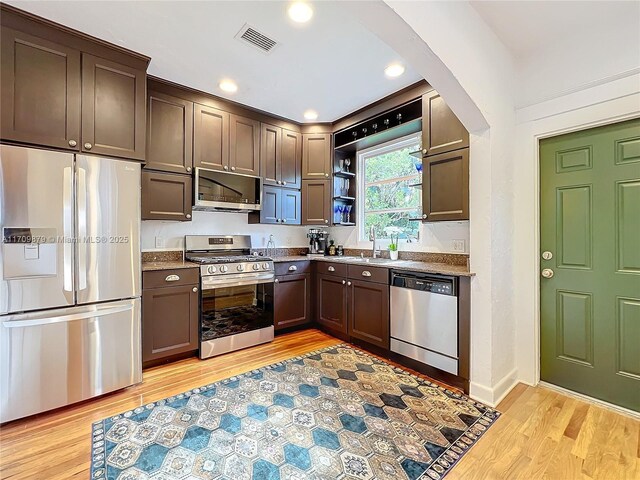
{"points": [[236, 281]]}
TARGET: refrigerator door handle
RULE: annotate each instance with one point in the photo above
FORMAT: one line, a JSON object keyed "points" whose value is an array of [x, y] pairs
{"points": [[82, 229], [67, 230], [48, 320]]}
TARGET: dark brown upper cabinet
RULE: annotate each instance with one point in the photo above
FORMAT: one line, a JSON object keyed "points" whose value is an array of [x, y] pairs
{"points": [[169, 133], [316, 202], [113, 108], [441, 130], [291, 300], [210, 138], [166, 196], [40, 91], [244, 145], [279, 206], [316, 156], [445, 186], [368, 312], [291, 164]]}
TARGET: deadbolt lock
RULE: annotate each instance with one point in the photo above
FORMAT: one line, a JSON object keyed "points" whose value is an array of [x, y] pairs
{"points": [[547, 255]]}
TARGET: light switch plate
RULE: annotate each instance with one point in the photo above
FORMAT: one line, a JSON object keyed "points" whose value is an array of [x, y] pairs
{"points": [[458, 245], [160, 242]]}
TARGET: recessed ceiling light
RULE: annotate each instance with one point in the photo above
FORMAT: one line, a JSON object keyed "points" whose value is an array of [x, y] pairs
{"points": [[310, 114], [300, 12], [394, 70], [228, 86]]}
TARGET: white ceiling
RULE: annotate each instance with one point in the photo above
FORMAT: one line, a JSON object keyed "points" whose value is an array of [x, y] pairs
{"points": [[527, 27], [332, 64]]}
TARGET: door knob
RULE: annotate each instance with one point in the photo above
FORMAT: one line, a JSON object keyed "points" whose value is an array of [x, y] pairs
{"points": [[547, 273], [88, 146], [72, 143], [547, 255]]}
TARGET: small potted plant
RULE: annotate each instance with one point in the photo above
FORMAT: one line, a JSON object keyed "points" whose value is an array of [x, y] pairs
{"points": [[394, 234]]}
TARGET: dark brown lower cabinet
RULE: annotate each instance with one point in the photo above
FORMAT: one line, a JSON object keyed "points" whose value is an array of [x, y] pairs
{"points": [[368, 312], [292, 301], [170, 314], [166, 196], [331, 301]]}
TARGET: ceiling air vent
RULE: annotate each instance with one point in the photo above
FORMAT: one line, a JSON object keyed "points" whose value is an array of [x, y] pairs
{"points": [[258, 40]]}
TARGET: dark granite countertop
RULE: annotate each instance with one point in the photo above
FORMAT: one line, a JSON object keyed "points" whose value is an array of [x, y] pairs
{"points": [[167, 265]]}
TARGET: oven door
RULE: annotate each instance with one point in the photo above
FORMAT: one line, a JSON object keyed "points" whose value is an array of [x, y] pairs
{"points": [[236, 313]]}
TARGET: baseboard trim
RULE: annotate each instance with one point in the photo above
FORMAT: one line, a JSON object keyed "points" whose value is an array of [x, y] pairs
{"points": [[492, 396], [588, 399]]}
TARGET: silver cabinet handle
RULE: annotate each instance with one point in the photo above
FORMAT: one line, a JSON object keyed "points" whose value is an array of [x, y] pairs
{"points": [[331, 269], [547, 273], [195, 289], [72, 143], [88, 146], [188, 169], [293, 268], [233, 169], [276, 281], [188, 215], [226, 167], [344, 281], [172, 278], [366, 273], [348, 284]]}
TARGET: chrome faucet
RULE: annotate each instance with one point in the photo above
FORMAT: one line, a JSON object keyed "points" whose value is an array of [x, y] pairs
{"points": [[372, 238]]}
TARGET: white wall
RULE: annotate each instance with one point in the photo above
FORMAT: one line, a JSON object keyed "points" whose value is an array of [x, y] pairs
{"points": [[218, 223]]}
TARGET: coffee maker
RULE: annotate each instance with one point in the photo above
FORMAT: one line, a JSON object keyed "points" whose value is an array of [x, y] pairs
{"points": [[318, 241]]}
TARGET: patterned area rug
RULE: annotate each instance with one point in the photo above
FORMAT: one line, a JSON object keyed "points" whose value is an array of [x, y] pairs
{"points": [[336, 413]]}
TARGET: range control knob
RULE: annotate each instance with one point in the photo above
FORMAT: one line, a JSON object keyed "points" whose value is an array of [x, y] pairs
{"points": [[211, 269], [256, 266], [265, 266], [223, 268], [240, 268]]}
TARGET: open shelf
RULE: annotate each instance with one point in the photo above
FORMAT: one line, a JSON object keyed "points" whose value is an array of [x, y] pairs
{"points": [[343, 174], [381, 136], [415, 185], [345, 224], [417, 154], [344, 197]]}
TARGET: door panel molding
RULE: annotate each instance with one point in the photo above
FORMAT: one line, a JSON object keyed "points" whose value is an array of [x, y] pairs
{"points": [[574, 235], [574, 159], [628, 329], [574, 327], [628, 226]]}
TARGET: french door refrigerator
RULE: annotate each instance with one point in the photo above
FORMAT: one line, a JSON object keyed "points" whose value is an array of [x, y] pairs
{"points": [[70, 288]]}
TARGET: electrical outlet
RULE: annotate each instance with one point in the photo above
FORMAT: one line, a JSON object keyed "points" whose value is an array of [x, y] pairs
{"points": [[458, 245], [160, 242]]}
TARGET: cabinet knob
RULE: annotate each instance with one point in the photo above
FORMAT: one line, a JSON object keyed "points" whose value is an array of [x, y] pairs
{"points": [[424, 215], [233, 169], [226, 167], [279, 182], [344, 281], [72, 143], [188, 215], [276, 281], [326, 221], [277, 220], [424, 150], [172, 278], [195, 289], [188, 169], [348, 284], [284, 220], [326, 175], [88, 146], [284, 182]]}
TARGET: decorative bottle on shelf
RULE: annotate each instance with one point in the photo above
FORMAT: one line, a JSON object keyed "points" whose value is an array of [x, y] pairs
{"points": [[332, 249]]}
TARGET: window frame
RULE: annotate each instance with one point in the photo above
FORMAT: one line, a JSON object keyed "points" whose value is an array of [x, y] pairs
{"points": [[361, 157]]}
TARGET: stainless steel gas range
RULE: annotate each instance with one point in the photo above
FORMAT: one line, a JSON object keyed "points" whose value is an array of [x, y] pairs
{"points": [[236, 306]]}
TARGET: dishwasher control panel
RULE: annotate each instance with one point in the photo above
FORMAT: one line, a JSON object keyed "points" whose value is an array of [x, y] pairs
{"points": [[442, 285]]}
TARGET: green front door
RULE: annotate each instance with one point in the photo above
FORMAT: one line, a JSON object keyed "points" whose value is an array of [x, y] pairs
{"points": [[590, 262]]}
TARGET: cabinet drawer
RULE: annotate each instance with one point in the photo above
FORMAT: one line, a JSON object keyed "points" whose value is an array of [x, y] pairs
{"points": [[330, 268], [167, 278], [293, 268], [369, 274]]}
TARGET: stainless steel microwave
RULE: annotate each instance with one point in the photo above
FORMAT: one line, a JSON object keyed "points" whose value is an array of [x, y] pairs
{"points": [[215, 190]]}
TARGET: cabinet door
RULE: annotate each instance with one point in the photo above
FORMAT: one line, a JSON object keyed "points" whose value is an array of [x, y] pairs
{"points": [[445, 186], [271, 154], [316, 202], [170, 321], [40, 91], [316, 156], [291, 211], [210, 138], [166, 196], [369, 312], [244, 145], [291, 163], [441, 129], [113, 108], [332, 302], [169, 133], [271, 205], [292, 301]]}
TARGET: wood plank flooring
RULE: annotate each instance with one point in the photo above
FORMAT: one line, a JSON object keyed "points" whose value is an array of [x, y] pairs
{"points": [[541, 434]]}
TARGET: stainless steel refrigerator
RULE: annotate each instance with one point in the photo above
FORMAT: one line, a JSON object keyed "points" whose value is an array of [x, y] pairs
{"points": [[70, 288]]}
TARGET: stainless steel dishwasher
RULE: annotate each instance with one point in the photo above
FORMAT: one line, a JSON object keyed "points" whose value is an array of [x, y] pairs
{"points": [[424, 318]]}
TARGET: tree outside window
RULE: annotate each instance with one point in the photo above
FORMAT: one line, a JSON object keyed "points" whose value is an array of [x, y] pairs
{"points": [[386, 197]]}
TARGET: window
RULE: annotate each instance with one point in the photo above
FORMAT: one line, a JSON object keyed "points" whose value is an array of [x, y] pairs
{"points": [[386, 195]]}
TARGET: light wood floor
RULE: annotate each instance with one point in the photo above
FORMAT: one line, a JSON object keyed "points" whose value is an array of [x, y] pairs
{"points": [[541, 434]]}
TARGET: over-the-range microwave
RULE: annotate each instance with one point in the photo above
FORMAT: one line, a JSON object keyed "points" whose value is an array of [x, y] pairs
{"points": [[225, 191]]}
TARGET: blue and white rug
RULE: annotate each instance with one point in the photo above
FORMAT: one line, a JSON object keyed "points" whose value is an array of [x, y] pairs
{"points": [[336, 413]]}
